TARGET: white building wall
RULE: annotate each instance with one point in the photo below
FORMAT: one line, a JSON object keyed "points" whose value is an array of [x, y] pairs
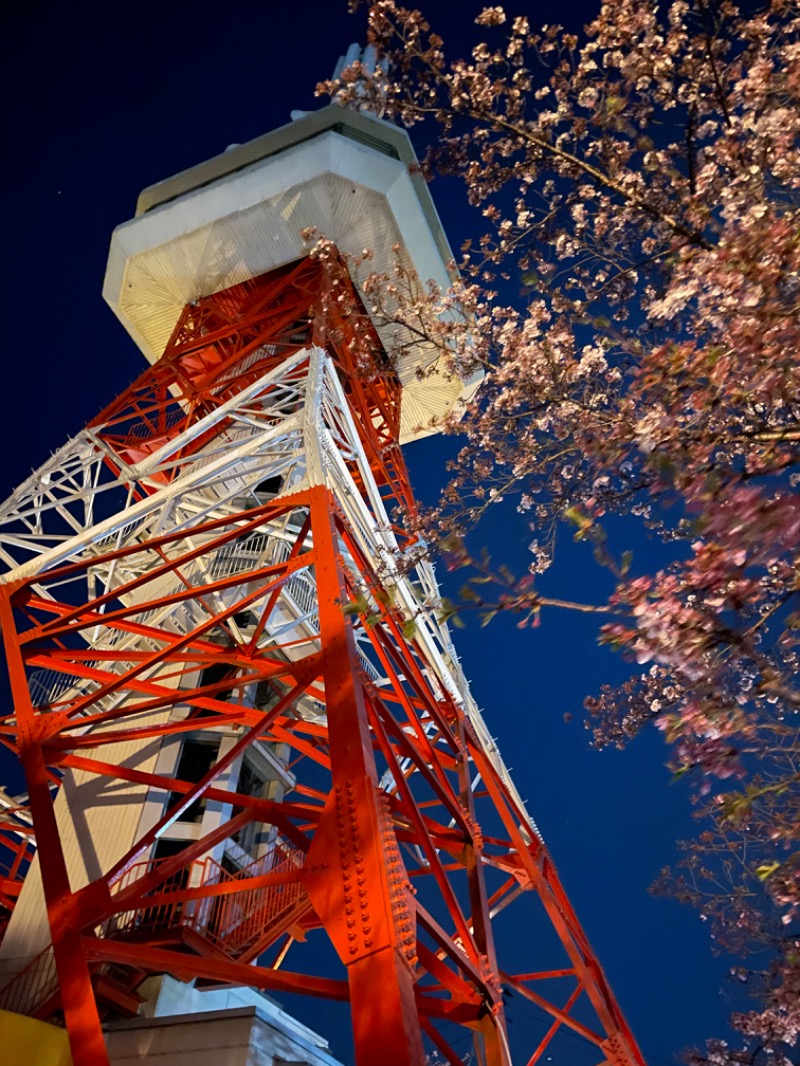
{"points": [[98, 822], [188, 1026]]}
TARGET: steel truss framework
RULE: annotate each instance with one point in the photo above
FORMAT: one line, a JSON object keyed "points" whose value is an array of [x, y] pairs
{"points": [[230, 509], [17, 849]]}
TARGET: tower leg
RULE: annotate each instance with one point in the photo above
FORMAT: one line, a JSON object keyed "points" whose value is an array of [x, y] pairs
{"points": [[355, 904], [385, 1022], [75, 986]]}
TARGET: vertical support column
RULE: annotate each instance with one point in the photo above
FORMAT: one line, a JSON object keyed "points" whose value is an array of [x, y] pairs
{"points": [[367, 918], [75, 985]]}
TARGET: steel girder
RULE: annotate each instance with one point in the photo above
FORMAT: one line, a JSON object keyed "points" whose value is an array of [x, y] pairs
{"points": [[17, 849], [229, 510]]}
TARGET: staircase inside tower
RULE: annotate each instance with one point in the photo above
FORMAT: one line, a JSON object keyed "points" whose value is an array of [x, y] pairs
{"points": [[239, 924]]}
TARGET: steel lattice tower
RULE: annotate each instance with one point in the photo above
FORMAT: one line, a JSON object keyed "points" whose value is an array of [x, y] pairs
{"points": [[242, 726]]}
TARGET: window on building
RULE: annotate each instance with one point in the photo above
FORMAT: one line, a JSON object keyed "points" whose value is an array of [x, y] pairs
{"points": [[269, 487], [196, 759], [168, 914], [251, 783], [267, 695], [213, 674]]}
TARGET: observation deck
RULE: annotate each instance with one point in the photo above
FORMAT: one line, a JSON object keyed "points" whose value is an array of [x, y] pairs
{"points": [[348, 175]]}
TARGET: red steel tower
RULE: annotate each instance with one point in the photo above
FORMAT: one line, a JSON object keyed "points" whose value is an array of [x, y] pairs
{"points": [[244, 729]]}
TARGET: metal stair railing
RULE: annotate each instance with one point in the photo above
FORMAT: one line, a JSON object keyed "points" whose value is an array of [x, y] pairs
{"points": [[237, 921], [233, 922], [30, 989]]}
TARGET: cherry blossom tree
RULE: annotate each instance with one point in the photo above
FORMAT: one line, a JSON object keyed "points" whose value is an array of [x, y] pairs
{"points": [[641, 187]]}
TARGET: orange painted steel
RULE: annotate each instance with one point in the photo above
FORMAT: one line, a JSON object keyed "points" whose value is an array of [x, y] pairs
{"points": [[17, 849], [381, 849], [224, 342]]}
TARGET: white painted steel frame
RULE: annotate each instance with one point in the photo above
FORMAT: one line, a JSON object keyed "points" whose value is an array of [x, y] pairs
{"points": [[293, 422]]}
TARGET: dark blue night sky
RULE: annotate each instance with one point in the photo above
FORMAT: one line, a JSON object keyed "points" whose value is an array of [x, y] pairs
{"points": [[103, 100]]}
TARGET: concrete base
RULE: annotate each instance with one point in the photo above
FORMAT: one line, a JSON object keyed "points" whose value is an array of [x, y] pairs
{"points": [[214, 1027]]}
